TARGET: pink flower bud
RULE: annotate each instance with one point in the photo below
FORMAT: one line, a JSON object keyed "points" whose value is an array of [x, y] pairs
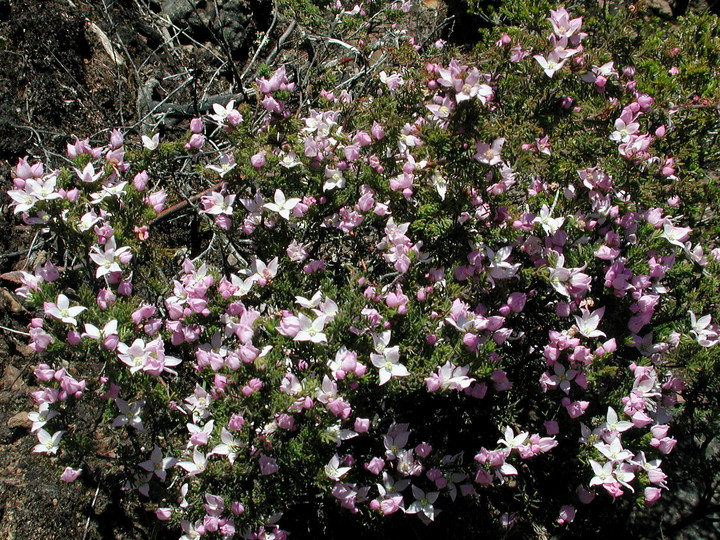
{"points": [[111, 342], [516, 301], [375, 465], [237, 508], [196, 125], [116, 139], [73, 195], [551, 426], [73, 337], [504, 41], [377, 131], [651, 494], [362, 425], [125, 287], [363, 138], [423, 449], [236, 422], [140, 180], [157, 200], [585, 496], [105, 298], [44, 373], [196, 142], [286, 421], [258, 160]]}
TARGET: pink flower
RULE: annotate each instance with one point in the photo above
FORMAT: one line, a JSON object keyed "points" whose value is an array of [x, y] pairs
{"points": [[258, 160], [375, 466], [267, 464], [489, 154], [651, 495], [70, 475], [157, 200], [163, 514]]}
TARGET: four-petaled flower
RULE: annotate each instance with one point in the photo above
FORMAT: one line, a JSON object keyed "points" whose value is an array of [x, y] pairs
{"points": [[48, 444], [389, 364], [61, 310], [334, 471], [109, 259], [281, 205], [158, 464], [588, 323], [311, 330], [423, 503]]}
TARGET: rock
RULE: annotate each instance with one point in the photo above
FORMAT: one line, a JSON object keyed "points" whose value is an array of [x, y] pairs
{"points": [[19, 420], [178, 10], [9, 302], [11, 379], [24, 349]]}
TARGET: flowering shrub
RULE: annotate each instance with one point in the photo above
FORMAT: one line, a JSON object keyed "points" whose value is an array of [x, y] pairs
{"points": [[465, 289]]}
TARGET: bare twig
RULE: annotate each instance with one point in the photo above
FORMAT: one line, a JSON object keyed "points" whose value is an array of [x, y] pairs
{"points": [[14, 332], [184, 204], [280, 43], [260, 46], [87, 523]]}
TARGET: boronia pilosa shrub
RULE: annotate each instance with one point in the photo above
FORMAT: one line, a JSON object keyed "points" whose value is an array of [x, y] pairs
{"points": [[462, 291]]}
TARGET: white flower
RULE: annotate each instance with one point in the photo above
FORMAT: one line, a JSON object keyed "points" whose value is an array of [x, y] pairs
{"points": [[135, 355], [48, 444], [511, 440], [61, 310], [281, 205], [151, 143], [157, 464], [197, 465], [23, 200], [221, 113], [549, 224], [707, 335], [603, 473], [229, 446], [88, 174], [612, 423], [335, 179], [423, 503], [440, 183], [613, 451], [311, 303], [225, 164], [290, 160], [129, 414], [675, 235], [389, 364], [108, 191], [218, 204], [311, 330], [550, 65], [40, 417], [334, 471], [588, 323], [109, 260]]}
